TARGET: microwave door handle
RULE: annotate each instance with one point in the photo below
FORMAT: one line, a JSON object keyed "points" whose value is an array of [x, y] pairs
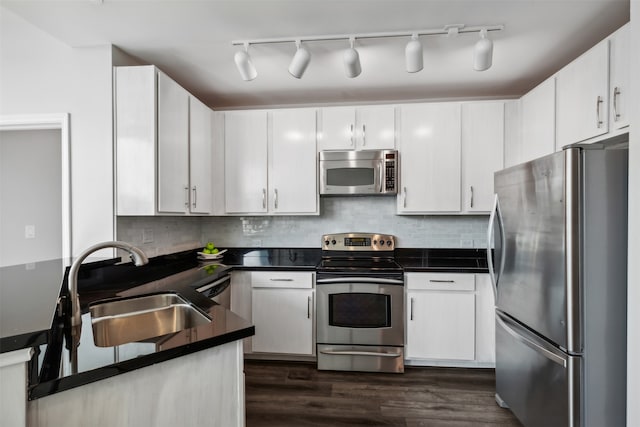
{"points": [[380, 177]]}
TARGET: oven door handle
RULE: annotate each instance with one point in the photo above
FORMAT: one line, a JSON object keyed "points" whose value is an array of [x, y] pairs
{"points": [[381, 281], [359, 353]]}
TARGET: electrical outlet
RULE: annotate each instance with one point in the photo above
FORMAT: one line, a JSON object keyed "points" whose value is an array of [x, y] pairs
{"points": [[147, 235], [29, 231]]}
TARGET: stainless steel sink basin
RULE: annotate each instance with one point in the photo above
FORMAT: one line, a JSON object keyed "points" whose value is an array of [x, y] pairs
{"points": [[117, 322]]}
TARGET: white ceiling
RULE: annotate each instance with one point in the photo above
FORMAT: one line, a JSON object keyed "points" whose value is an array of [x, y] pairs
{"points": [[191, 41]]}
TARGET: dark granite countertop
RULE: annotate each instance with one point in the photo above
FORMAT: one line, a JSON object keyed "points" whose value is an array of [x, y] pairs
{"points": [[33, 322], [442, 260]]}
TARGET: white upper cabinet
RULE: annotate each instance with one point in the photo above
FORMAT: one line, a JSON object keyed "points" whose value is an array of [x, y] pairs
{"points": [[173, 146], [351, 128], [293, 176], [163, 145], [482, 153], [429, 144], [271, 162], [200, 160], [582, 97], [619, 81], [245, 155], [538, 109]]}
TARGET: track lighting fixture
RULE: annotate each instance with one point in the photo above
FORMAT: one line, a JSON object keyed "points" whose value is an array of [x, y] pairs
{"points": [[300, 61], [483, 52], [413, 55], [351, 60], [245, 65]]}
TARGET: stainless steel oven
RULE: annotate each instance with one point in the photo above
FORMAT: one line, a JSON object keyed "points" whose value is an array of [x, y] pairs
{"points": [[360, 304]]}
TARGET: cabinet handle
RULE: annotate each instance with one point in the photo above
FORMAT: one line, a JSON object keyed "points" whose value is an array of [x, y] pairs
{"points": [[471, 201], [441, 281], [275, 198], [264, 198], [309, 307], [351, 130], [598, 120], [616, 93], [411, 309], [364, 136], [281, 280], [404, 197], [186, 196], [195, 196]]}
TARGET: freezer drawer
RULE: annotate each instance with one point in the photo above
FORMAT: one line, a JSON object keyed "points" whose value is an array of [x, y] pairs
{"points": [[538, 382]]}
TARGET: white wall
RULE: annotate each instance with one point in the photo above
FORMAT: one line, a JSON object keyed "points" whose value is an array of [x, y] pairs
{"points": [[41, 75], [633, 311], [30, 195]]}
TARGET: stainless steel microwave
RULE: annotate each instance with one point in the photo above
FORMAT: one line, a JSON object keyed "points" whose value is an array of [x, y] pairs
{"points": [[370, 172]]}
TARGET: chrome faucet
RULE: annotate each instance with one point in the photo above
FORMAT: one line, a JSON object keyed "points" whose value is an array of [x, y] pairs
{"points": [[137, 256]]}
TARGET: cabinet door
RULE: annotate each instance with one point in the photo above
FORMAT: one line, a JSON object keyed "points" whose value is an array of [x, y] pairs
{"points": [[429, 138], [538, 121], [485, 320], [200, 161], [136, 139], [619, 87], [245, 154], [293, 162], [582, 91], [173, 146], [440, 325], [337, 128], [283, 320], [376, 128], [482, 153]]}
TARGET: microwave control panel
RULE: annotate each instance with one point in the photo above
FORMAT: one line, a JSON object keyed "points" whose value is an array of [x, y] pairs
{"points": [[390, 172]]}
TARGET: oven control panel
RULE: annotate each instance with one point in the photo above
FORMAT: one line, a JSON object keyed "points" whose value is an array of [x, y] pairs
{"points": [[358, 242]]}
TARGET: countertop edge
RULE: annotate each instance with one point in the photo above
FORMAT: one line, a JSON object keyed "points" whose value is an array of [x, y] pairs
{"points": [[83, 378]]}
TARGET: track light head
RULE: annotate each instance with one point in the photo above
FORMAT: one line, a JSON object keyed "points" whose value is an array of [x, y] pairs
{"points": [[300, 61], [413, 55], [483, 52], [351, 60], [244, 64]]}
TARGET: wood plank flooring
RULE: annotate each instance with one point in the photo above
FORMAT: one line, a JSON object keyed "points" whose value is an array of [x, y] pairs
{"points": [[283, 394]]}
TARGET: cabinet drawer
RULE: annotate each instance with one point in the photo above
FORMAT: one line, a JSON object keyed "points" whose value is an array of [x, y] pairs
{"points": [[281, 279], [441, 281]]}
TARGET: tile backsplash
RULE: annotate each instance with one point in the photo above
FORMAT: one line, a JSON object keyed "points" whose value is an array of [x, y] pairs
{"points": [[162, 235]]}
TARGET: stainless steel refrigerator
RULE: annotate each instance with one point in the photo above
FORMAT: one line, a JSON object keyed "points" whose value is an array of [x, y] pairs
{"points": [[559, 268]]}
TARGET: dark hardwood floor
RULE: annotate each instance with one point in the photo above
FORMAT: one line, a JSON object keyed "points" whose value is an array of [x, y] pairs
{"points": [[282, 394]]}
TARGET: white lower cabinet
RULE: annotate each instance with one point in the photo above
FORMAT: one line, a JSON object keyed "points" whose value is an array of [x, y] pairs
{"points": [[449, 318], [282, 310]]}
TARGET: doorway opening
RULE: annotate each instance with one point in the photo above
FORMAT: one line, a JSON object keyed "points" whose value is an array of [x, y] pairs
{"points": [[35, 215]]}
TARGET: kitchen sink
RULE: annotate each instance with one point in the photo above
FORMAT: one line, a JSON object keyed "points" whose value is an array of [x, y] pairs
{"points": [[141, 318]]}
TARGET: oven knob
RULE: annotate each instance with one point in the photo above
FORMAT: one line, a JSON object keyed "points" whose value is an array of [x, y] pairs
{"points": [[375, 242], [326, 243], [382, 242], [388, 242], [333, 242]]}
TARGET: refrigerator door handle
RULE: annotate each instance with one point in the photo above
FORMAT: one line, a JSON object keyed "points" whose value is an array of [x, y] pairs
{"points": [[492, 274], [529, 343], [503, 240]]}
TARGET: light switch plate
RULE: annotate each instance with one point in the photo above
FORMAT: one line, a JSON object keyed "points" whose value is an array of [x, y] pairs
{"points": [[29, 231]]}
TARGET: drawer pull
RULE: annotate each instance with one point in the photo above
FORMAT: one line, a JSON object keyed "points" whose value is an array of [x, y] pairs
{"points": [[441, 281], [281, 280]]}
